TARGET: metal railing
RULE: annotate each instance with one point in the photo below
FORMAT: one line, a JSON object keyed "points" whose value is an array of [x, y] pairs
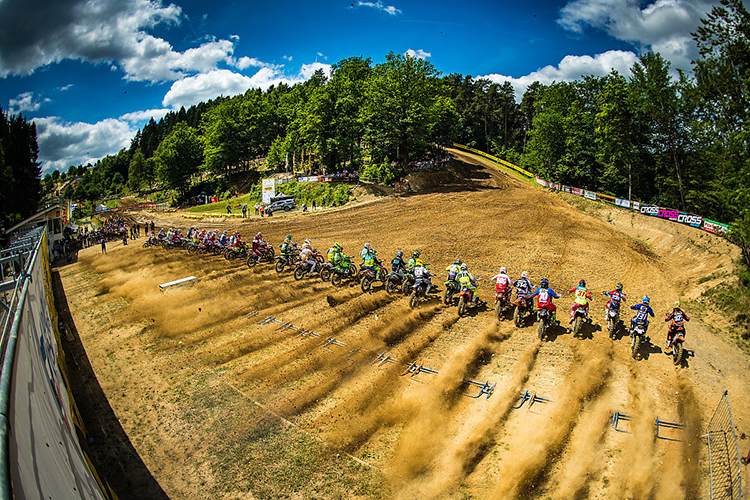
{"points": [[723, 454]]}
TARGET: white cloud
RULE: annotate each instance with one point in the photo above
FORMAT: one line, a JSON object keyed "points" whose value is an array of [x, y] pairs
{"points": [[390, 9], [418, 53], [234, 38], [144, 116], [287, 58], [205, 86], [663, 26], [571, 68], [62, 144], [24, 102], [246, 62], [101, 31]]}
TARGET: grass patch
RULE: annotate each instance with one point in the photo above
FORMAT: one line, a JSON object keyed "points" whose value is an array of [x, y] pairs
{"points": [[734, 301]]}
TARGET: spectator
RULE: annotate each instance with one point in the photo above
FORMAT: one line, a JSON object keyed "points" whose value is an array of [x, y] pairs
{"points": [[229, 208], [244, 211], [313, 204], [262, 210], [256, 209], [104, 245]]}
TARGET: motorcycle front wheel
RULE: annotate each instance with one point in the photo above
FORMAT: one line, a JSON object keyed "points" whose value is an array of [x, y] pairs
{"points": [[299, 273], [325, 274], [461, 306]]}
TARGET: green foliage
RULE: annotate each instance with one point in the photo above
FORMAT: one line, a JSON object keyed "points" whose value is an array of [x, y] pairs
{"points": [[380, 173], [179, 156]]}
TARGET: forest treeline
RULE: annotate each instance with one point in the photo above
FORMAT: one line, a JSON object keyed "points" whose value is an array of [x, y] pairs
{"points": [[680, 142]]}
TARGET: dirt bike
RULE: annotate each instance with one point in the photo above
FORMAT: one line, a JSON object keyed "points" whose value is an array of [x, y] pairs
{"points": [[451, 288], [545, 321], [581, 315], [418, 293], [344, 269], [638, 334], [502, 302], [523, 307], [465, 298], [150, 243], [678, 351], [240, 252], [266, 255], [302, 269], [369, 276], [408, 284], [613, 318], [394, 281]]}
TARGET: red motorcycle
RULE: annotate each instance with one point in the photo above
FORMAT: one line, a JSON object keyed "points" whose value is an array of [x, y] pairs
{"points": [[369, 276]]}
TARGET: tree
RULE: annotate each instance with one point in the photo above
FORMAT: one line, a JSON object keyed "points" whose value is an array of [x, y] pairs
{"points": [[399, 107], [136, 170], [178, 157]]}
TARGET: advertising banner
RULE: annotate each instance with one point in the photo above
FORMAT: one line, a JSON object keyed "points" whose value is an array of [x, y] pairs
{"points": [[541, 182], [690, 220], [636, 205], [622, 203], [666, 213], [577, 191], [650, 210], [590, 195], [269, 190], [715, 227]]}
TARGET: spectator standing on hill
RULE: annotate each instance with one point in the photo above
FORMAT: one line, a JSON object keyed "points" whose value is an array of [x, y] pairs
{"points": [[256, 209], [229, 208], [313, 204], [244, 211], [104, 244], [262, 210]]}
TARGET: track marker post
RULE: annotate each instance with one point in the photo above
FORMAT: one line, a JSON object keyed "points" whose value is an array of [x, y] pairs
{"points": [[668, 425], [414, 369], [484, 388], [383, 358], [616, 417], [331, 341]]}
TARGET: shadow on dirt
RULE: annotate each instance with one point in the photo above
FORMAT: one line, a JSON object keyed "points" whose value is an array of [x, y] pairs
{"points": [[109, 447]]}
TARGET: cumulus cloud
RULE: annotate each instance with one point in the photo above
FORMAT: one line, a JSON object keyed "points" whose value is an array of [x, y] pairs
{"points": [[223, 82], [25, 102], [571, 68], [100, 31], [417, 53], [662, 26], [146, 115], [247, 62], [62, 144], [388, 9]]}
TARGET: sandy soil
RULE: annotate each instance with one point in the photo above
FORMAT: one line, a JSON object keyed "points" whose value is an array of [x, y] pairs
{"points": [[218, 406]]}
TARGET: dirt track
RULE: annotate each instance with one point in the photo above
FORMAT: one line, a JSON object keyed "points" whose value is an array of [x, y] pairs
{"points": [[199, 387]]}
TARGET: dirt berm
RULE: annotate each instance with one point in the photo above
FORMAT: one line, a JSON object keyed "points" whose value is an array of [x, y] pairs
{"points": [[219, 406]]}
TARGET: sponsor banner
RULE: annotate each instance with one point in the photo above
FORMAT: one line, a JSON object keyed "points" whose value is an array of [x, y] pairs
{"points": [[650, 210], [622, 203], [566, 189], [666, 213], [689, 219], [314, 178], [589, 194], [214, 199], [577, 191], [715, 227], [268, 190], [636, 205], [541, 182]]}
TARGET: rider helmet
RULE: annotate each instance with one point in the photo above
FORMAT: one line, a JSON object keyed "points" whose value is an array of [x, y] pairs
{"points": [[582, 283], [367, 246], [618, 287], [307, 240], [645, 300], [416, 254], [289, 236], [258, 235], [676, 305], [399, 254], [503, 270], [525, 274], [544, 283], [464, 267], [458, 262]]}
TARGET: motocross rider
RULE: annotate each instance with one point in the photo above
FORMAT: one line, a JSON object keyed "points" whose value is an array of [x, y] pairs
{"points": [[413, 261], [307, 257], [398, 266], [644, 310], [677, 318], [372, 262], [581, 300], [544, 296], [421, 276], [503, 284], [258, 245], [523, 289], [287, 246], [453, 270], [468, 281], [223, 238], [365, 252], [616, 297]]}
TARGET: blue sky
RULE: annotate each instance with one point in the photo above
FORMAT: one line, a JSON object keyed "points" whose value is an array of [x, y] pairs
{"points": [[89, 73]]}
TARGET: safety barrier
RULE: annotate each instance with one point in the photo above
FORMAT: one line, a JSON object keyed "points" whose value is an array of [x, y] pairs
{"points": [[495, 159], [723, 454], [40, 429]]}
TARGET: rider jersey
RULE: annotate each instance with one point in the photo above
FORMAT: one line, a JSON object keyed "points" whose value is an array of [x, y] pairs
{"points": [[523, 287], [615, 298], [643, 313], [421, 273], [502, 282], [453, 270], [305, 254], [582, 295], [398, 265], [412, 262], [330, 255], [678, 318], [544, 296]]}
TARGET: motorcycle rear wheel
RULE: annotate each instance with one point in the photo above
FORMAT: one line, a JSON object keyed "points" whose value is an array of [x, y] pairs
{"points": [[353, 271], [391, 285], [461, 306], [636, 346], [325, 274], [577, 326], [517, 318], [541, 329], [336, 279], [612, 327], [414, 299], [251, 261], [447, 296], [499, 309]]}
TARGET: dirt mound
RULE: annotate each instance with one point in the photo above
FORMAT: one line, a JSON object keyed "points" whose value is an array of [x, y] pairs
{"points": [[208, 371]]}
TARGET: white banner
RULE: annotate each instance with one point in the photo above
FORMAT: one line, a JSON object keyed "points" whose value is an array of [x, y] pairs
{"points": [[269, 190], [622, 203], [590, 195]]}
